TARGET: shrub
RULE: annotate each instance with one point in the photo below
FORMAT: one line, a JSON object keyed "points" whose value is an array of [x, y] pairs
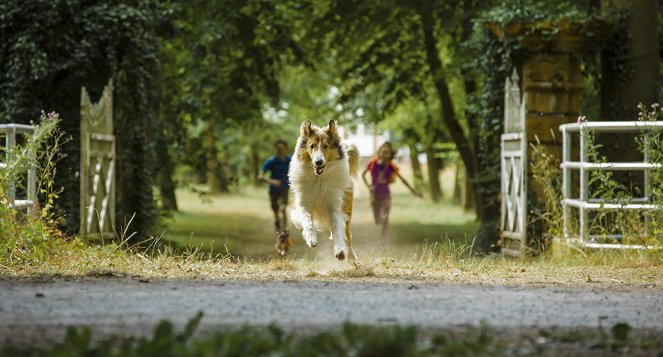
{"points": [[24, 235]]}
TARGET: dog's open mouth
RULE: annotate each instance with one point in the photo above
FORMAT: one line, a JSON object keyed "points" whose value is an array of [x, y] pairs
{"points": [[318, 169]]}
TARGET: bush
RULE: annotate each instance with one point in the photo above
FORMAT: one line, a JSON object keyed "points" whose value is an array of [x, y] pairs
{"points": [[24, 236], [353, 340]]}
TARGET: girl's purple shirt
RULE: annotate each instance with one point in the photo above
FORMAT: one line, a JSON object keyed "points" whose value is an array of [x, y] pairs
{"points": [[382, 176]]}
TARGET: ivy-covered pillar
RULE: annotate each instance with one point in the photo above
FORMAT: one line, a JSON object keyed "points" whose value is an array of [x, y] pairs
{"points": [[542, 93]]}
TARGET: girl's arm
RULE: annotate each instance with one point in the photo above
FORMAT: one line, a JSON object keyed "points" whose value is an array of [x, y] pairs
{"points": [[413, 190], [363, 176]]}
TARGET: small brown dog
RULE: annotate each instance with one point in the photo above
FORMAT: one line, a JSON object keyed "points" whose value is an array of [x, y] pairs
{"points": [[283, 243]]}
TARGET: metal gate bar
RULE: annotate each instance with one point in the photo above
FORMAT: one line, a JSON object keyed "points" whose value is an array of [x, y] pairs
{"points": [[10, 131], [584, 203]]}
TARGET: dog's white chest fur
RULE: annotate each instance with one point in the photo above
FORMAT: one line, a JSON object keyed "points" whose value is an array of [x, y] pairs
{"points": [[319, 194]]}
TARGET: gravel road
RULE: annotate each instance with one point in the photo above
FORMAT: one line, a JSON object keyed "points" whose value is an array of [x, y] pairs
{"points": [[37, 312]]}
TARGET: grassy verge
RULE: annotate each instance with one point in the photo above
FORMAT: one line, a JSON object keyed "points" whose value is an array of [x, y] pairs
{"points": [[241, 224], [230, 238], [357, 340]]}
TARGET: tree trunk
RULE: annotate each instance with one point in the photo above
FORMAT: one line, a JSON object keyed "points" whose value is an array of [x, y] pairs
{"points": [[621, 91], [224, 176], [468, 194], [433, 174], [463, 194], [463, 145], [255, 165], [457, 198], [416, 165], [211, 163], [643, 56], [164, 177]]}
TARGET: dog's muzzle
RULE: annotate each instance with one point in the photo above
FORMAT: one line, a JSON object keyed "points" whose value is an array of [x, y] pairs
{"points": [[318, 169]]}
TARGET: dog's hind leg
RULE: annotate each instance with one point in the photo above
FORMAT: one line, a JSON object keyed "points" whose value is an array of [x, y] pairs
{"points": [[302, 219], [347, 213], [348, 242]]}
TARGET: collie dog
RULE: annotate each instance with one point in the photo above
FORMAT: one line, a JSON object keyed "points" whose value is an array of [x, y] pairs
{"points": [[321, 178]]}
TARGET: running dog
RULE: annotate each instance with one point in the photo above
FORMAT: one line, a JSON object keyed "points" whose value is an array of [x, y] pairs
{"points": [[283, 244], [321, 179]]}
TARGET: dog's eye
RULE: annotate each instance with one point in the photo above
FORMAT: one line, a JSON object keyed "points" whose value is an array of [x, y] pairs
{"points": [[325, 147], [312, 146]]}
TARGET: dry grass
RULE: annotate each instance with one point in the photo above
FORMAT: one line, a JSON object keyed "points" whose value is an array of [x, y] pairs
{"points": [[601, 269], [430, 244]]}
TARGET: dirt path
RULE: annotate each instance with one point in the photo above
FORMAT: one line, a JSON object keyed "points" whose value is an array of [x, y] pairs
{"points": [[38, 312]]}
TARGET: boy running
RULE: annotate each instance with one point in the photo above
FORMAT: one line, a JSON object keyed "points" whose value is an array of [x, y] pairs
{"points": [[279, 186]]}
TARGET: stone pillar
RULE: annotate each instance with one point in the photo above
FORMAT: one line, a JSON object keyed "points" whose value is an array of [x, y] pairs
{"points": [[551, 87], [550, 84]]}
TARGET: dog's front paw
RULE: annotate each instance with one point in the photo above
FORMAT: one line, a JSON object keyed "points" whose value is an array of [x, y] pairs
{"points": [[340, 252], [311, 237]]}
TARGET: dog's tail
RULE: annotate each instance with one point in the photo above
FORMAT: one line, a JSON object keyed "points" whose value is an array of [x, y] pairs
{"points": [[353, 158]]}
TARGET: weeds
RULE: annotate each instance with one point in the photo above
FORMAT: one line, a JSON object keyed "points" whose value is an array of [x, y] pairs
{"points": [[351, 340], [28, 237], [546, 175], [606, 225]]}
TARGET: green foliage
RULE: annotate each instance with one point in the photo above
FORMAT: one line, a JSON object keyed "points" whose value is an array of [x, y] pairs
{"points": [[379, 51], [50, 49], [620, 332], [24, 237], [348, 340], [220, 73]]}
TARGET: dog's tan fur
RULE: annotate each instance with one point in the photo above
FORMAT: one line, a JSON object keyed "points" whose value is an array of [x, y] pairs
{"points": [[321, 178]]}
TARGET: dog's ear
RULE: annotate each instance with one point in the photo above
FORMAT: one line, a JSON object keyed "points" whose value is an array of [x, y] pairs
{"points": [[332, 129], [305, 129]]}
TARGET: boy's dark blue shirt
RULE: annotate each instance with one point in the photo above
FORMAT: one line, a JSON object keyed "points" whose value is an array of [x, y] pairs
{"points": [[279, 171]]}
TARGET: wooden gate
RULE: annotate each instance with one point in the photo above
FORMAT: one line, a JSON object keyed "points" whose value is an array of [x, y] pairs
{"points": [[513, 220], [97, 189]]}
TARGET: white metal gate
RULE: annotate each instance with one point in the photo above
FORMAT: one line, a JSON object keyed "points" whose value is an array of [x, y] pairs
{"points": [[10, 133], [513, 220], [585, 203]]}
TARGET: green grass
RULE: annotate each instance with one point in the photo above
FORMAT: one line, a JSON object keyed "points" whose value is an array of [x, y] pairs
{"points": [[241, 222]]}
